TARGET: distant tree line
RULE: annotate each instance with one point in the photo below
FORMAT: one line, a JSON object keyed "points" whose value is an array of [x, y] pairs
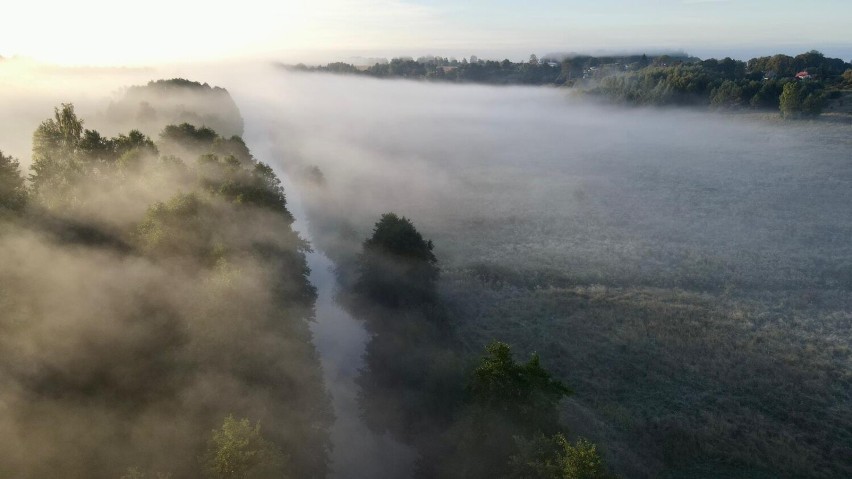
{"points": [[535, 71], [797, 86], [809, 79]]}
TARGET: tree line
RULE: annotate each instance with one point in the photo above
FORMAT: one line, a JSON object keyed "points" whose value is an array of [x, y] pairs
{"points": [[154, 305], [797, 86]]}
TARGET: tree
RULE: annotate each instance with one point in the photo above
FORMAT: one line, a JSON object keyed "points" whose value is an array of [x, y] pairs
{"points": [[184, 226], [238, 450], [188, 136], [581, 460], [554, 457], [791, 100], [847, 77], [813, 103], [397, 266], [524, 393], [801, 100], [13, 192], [728, 95], [506, 400], [55, 144]]}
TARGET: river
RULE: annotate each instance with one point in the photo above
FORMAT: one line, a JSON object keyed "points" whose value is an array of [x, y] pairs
{"points": [[341, 340]]}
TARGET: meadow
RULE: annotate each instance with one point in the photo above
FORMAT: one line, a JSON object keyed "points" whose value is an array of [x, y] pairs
{"points": [[688, 274]]}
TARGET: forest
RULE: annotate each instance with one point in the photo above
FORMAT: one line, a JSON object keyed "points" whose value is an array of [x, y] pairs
{"points": [[155, 308], [799, 86]]}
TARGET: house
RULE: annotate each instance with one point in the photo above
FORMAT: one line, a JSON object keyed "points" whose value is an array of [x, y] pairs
{"points": [[803, 75], [770, 75]]}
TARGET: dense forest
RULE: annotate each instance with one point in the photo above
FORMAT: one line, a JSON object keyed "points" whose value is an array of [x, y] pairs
{"points": [[155, 308], [799, 86]]}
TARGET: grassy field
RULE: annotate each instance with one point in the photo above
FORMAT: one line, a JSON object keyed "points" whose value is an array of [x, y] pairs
{"points": [[668, 379], [688, 274]]}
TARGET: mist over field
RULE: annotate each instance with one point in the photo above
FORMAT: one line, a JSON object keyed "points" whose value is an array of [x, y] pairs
{"points": [[546, 180], [688, 274]]}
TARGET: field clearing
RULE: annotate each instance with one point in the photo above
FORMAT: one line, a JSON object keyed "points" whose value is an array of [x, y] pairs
{"points": [[688, 274]]}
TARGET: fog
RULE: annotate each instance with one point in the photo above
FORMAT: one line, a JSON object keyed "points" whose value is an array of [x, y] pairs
{"points": [[727, 234], [532, 183], [139, 307], [547, 180]]}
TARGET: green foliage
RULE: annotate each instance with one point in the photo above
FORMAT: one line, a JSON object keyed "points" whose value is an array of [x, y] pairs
{"points": [[55, 143], [678, 85], [205, 288], [537, 457], [727, 95], [800, 99], [814, 103], [525, 394], [554, 457], [505, 400], [581, 460], [397, 266], [64, 155], [723, 83], [238, 450], [188, 136], [183, 226], [791, 100], [13, 191], [632, 79], [256, 185], [189, 139], [767, 97]]}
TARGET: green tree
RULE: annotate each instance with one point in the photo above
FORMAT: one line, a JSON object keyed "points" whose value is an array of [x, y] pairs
{"points": [[554, 457], [238, 450], [397, 266], [188, 136], [799, 99], [13, 192], [506, 399], [55, 144], [524, 393], [791, 100], [813, 103], [728, 95], [768, 95], [185, 226]]}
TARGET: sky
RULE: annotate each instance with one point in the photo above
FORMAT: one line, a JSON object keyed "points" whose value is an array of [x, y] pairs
{"points": [[117, 32]]}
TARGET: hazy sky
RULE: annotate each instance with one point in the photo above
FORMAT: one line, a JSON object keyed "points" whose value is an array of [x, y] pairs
{"points": [[121, 32]]}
